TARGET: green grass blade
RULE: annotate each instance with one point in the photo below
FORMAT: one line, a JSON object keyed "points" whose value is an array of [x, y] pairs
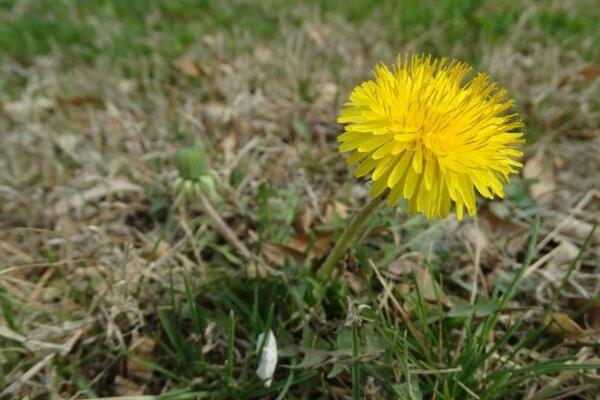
{"points": [[355, 364], [230, 348]]}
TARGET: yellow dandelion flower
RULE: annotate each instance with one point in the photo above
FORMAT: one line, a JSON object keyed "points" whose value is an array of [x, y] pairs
{"points": [[431, 139]]}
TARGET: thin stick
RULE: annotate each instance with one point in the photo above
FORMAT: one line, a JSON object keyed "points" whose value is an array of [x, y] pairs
{"points": [[230, 235], [224, 229]]}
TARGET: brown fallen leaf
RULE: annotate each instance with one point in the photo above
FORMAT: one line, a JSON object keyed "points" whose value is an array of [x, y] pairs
{"points": [[564, 253], [591, 313], [276, 253], [229, 144], [577, 229], [140, 350], [480, 237], [402, 266], [593, 316], [81, 101], [591, 72], [430, 289], [587, 74], [539, 169], [355, 283], [497, 223], [126, 387], [304, 220], [561, 325], [319, 243], [332, 208], [189, 67]]}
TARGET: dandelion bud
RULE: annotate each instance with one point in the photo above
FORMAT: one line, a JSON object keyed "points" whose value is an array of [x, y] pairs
{"points": [[191, 162]]}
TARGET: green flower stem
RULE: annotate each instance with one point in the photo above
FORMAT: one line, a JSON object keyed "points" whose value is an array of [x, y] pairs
{"points": [[346, 239]]}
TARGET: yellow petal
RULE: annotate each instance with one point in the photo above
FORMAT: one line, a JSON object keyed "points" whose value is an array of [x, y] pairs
{"points": [[399, 169]]}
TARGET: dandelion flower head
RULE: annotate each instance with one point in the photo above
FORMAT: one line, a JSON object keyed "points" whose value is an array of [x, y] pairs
{"points": [[431, 138]]}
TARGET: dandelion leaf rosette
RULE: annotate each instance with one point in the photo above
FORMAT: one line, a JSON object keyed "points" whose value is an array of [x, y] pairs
{"points": [[431, 138]]}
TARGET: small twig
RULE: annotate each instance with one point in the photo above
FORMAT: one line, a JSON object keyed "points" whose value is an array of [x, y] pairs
{"points": [[16, 268], [27, 376], [230, 235], [569, 218], [224, 229], [37, 291]]}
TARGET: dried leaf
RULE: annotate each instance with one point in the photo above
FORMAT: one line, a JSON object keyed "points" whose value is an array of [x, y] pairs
{"points": [[276, 253], [304, 220], [516, 244], [402, 266], [143, 346], [591, 72], [561, 325], [577, 229], [126, 387], [480, 237], [587, 74], [321, 243], [189, 67], [82, 101], [332, 208], [355, 283], [229, 144], [498, 221], [430, 290], [591, 309], [564, 253], [141, 349], [593, 315], [539, 169]]}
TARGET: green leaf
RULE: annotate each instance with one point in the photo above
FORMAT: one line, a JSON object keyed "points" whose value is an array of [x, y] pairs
{"points": [[463, 309], [337, 369], [344, 339], [173, 333], [408, 391]]}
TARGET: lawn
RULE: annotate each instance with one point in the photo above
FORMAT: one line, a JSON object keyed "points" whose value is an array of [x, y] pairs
{"points": [[117, 281]]}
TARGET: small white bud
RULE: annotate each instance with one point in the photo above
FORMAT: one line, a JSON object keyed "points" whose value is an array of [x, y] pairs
{"points": [[268, 357]]}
